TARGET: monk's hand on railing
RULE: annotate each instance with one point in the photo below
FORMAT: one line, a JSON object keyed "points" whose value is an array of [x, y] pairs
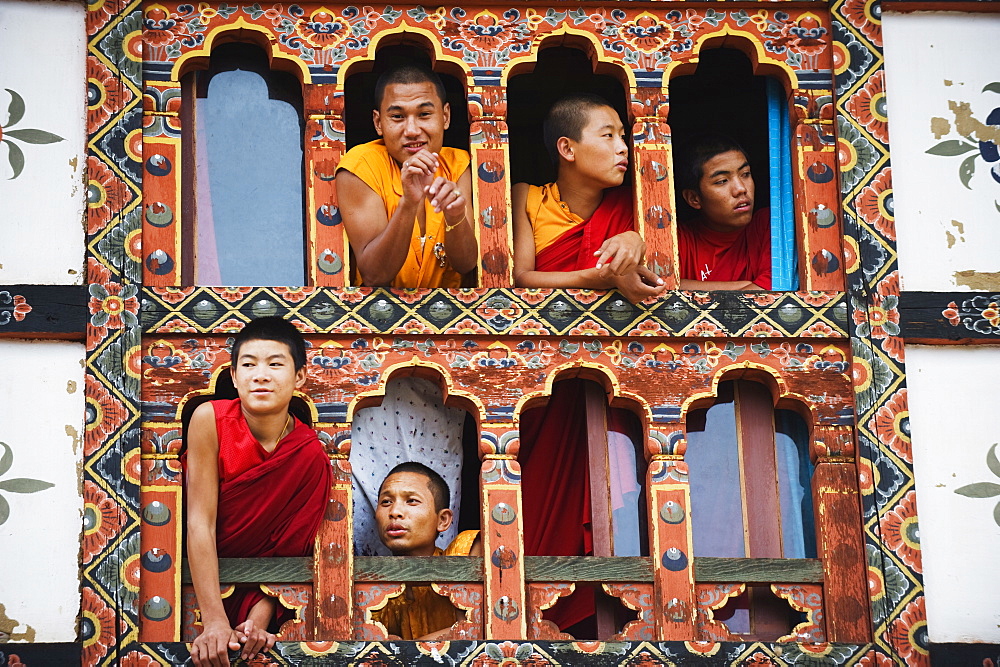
{"points": [[639, 285], [621, 253], [212, 646], [255, 639]]}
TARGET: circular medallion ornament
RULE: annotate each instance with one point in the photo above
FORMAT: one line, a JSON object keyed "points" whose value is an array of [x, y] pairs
{"points": [[264, 308], [503, 514], [503, 558], [381, 310], [335, 511], [672, 512], [158, 165], [159, 263], [156, 609], [156, 514], [328, 215], [619, 310], [440, 310], [156, 560], [506, 609], [674, 559], [205, 310], [329, 262]]}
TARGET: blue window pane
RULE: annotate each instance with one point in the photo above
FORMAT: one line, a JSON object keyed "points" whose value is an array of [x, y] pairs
{"points": [[784, 260], [716, 498], [626, 495], [791, 440], [249, 185]]}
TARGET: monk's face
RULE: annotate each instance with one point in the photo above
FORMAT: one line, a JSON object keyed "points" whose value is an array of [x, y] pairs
{"points": [[725, 192], [412, 118], [407, 521], [601, 153], [265, 376]]}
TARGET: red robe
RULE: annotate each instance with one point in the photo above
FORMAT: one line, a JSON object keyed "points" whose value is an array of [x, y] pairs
{"points": [[574, 249], [720, 256], [270, 503], [553, 456]]}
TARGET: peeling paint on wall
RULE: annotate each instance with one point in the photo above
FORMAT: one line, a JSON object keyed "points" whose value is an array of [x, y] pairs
{"points": [[981, 281], [8, 627], [940, 127]]}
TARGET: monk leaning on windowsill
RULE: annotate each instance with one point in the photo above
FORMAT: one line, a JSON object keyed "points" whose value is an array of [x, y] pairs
{"points": [[579, 231], [256, 485], [405, 199], [412, 510]]}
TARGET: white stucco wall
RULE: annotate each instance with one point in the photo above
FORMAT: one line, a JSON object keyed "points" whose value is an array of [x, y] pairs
{"points": [[42, 56], [41, 422], [953, 403], [936, 64]]}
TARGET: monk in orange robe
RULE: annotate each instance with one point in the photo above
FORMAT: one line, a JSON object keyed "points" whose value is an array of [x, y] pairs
{"points": [[579, 231], [405, 199], [412, 510]]}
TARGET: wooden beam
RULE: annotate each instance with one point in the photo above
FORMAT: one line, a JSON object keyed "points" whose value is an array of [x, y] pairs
{"points": [[948, 317], [44, 311], [586, 569]]}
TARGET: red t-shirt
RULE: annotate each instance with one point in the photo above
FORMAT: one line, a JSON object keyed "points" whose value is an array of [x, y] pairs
{"points": [[708, 255]]}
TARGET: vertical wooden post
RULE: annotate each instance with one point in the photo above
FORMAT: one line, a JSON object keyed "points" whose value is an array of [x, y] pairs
{"points": [[328, 262], [333, 558], [653, 174], [840, 544], [600, 492], [490, 187], [670, 540], [505, 609], [160, 538], [162, 234]]}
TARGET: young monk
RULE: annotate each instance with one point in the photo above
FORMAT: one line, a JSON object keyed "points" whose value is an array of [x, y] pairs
{"points": [[405, 199], [257, 485], [580, 230], [412, 510], [728, 245]]}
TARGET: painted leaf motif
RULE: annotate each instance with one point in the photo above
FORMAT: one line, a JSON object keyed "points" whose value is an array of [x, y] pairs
{"points": [[16, 158], [966, 170], [951, 147], [992, 461], [34, 136], [979, 490], [996, 514], [4, 510], [992, 87], [24, 485], [15, 112], [7, 459]]}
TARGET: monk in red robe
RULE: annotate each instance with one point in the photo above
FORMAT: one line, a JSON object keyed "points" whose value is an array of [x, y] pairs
{"points": [[580, 231], [257, 484], [576, 232], [727, 246]]}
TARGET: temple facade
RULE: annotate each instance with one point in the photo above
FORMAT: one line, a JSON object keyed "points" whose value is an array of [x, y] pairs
{"points": [[760, 503]]}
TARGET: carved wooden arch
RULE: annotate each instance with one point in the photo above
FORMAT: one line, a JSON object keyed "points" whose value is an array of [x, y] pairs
{"points": [[241, 30], [782, 397], [749, 44], [407, 34], [428, 370], [573, 38]]}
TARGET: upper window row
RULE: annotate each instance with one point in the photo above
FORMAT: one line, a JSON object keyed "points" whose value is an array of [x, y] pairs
{"points": [[410, 198]]}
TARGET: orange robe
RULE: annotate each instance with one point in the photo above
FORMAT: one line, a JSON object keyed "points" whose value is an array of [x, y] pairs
{"points": [[566, 242], [420, 611], [372, 163]]}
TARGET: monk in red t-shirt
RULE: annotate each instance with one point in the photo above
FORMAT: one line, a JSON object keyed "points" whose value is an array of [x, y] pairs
{"points": [[580, 230], [257, 481], [728, 245]]}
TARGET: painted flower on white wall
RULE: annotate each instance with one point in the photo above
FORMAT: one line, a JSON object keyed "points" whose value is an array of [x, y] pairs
{"points": [[15, 112], [984, 489]]}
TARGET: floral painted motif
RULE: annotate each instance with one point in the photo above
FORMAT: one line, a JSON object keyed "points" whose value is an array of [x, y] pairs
{"points": [[978, 136], [98, 626], [107, 195], [875, 204], [980, 314], [15, 156], [102, 519], [106, 94], [908, 634], [868, 106], [891, 424], [901, 532], [866, 16], [12, 306], [112, 305], [16, 485], [986, 489], [104, 414], [879, 319]]}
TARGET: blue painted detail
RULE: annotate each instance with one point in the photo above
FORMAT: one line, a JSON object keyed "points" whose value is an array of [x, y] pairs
{"points": [[674, 559], [158, 165], [156, 560], [328, 215], [666, 413], [157, 71], [332, 412], [499, 413], [486, 76], [784, 260], [159, 263], [648, 78], [490, 171], [815, 79]]}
